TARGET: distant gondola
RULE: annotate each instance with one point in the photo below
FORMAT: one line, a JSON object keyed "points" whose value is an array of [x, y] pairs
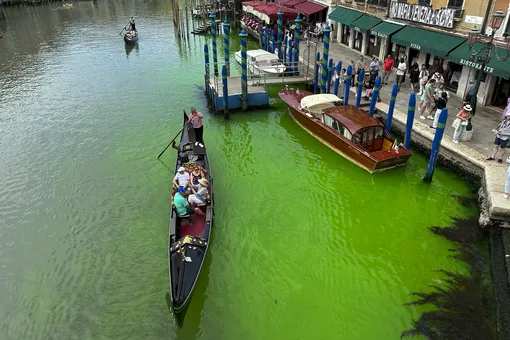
{"points": [[189, 236], [130, 37]]}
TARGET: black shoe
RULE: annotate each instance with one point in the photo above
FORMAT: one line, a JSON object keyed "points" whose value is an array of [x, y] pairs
{"points": [[500, 160], [489, 159], [432, 127]]}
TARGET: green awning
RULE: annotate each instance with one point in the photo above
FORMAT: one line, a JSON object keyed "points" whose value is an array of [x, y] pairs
{"points": [[461, 55], [385, 29], [344, 15], [364, 23], [436, 43]]}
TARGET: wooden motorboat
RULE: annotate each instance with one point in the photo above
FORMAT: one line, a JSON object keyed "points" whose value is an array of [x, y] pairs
{"points": [[130, 37], [348, 130], [261, 62], [189, 236]]}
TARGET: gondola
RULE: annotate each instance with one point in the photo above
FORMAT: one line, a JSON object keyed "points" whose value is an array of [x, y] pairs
{"points": [[189, 235], [130, 38]]}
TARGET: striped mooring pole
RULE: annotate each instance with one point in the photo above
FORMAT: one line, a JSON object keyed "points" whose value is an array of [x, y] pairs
{"points": [[224, 78], [260, 37], [272, 42], [297, 34], [325, 53], [337, 80], [285, 49], [267, 39], [226, 44], [207, 68], [244, 77], [375, 96], [410, 120], [330, 75], [393, 99], [436, 145], [280, 33], [316, 76], [213, 36], [348, 84], [360, 88]]}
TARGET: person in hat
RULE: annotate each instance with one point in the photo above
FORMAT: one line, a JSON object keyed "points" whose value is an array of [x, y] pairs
{"points": [[182, 206], [199, 196], [181, 179], [439, 78], [470, 92], [502, 132], [441, 102], [460, 122], [196, 175]]}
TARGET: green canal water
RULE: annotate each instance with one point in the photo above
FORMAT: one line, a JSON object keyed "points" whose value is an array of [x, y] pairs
{"points": [[305, 244]]}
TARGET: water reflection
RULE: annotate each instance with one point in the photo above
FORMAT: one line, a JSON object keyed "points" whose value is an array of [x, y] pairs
{"points": [[131, 47]]}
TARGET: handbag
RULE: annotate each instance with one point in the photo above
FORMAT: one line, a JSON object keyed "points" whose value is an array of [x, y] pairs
{"points": [[464, 123], [456, 123]]}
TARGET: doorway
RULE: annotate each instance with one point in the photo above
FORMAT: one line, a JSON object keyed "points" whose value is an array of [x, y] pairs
{"points": [[374, 46], [501, 93]]}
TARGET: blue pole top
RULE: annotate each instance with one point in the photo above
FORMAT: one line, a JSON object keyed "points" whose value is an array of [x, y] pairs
{"points": [[206, 48], [327, 29], [280, 12], [394, 91], [211, 16], [298, 19], [224, 71], [412, 100], [225, 23], [349, 70], [243, 34]]}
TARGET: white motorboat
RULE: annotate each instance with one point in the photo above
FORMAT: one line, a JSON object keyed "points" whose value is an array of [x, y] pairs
{"points": [[261, 62]]}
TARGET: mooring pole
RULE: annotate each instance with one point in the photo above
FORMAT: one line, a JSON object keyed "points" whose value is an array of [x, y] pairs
{"points": [[337, 79], [224, 76], [330, 75], [347, 84], [289, 57], [297, 34], [393, 98], [207, 69], [436, 145], [375, 96], [325, 52], [359, 92], [285, 49], [272, 42], [213, 36], [280, 33], [267, 39], [316, 76], [226, 44], [244, 78], [260, 37], [410, 120]]}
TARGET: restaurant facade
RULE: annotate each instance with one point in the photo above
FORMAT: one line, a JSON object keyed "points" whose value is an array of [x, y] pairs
{"points": [[427, 33]]}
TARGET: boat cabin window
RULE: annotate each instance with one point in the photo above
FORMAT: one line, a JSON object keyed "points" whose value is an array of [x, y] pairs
{"points": [[371, 138], [337, 126]]}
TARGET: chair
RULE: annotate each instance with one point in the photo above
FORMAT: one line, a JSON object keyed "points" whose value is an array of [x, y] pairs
{"points": [[189, 217]]}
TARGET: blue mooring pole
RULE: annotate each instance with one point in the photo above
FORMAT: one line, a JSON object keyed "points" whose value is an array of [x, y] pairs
{"points": [[280, 33], [360, 88], [207, 69], [289, 58], [436, 145], [244, 78], [272, 41], [297, 34], [325, 52], [285, 50], [393, 98], [330, 75], [316, 76], [375, 96], [226, 44], [267, 39], [348, 84], [213, 38], [224, 76], [337, 80], [410, 120], [260, 38]]}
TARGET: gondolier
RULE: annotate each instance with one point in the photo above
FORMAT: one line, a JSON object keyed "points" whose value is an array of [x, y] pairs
{"points": [[132, 23], [196, 120]]}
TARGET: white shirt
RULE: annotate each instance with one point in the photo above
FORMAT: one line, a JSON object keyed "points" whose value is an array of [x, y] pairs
{"points": [[401, 69], [504, 128], [182, 179]]}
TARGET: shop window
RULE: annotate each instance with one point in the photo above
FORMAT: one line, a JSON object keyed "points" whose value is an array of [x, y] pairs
{"points": [[424, 2], [360, 2], [457, 4], [378, 3]]}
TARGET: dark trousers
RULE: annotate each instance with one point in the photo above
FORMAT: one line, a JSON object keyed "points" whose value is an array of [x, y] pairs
{"points": [[133, 27], [199, 132]]}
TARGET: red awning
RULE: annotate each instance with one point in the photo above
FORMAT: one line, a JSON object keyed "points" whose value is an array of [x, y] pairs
{"points": [[308, 8], [272, 12], [293, 3]]}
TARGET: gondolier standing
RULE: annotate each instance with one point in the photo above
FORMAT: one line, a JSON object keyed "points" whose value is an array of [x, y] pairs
{"points": [[196, 120], [132, 23]]}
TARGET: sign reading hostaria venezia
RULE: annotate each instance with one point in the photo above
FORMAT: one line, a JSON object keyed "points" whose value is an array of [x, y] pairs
{"points": [[426, 15]]}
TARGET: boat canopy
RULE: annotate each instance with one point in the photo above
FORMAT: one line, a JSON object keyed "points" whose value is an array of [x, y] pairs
{"points": [[316, 102], [352, 118]]}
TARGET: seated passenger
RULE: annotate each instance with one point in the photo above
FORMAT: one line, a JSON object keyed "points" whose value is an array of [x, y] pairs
{"points": [[196, 175], [182, 207], [181, 179], [200, 195]]}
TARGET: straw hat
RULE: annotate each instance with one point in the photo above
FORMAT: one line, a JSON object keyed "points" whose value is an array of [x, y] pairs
{"points": [[203, 181], [467, 107]]}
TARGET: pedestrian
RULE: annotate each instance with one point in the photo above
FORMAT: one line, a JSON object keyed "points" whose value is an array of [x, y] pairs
{"points": [[321, 32], [502, 132], [132, 23], [440, 89], [354, 71], [424, 78], [414, 76], [507, 183], [441, 102], [388, 66], [373, 74], [196, 120], [507, 109], [375, 63], [401, 72], [460, 123], [343, 75], [427, 98], [439, 78], [470, 92]]}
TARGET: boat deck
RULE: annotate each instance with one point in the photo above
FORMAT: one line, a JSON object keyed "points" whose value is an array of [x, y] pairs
{"points": [[195, 228]]}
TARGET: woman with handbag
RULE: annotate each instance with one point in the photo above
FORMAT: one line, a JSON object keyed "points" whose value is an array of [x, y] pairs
{"points": [[502, 132], [460, 122]]}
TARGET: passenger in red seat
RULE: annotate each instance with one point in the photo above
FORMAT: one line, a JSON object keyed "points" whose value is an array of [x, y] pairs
{"points": [[200, 196]]}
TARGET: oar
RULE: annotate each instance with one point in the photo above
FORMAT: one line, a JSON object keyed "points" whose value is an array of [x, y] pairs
{"points": [[120, 33], [174, 138]]}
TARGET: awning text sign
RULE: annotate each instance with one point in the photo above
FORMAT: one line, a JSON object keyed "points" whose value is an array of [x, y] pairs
{"points": [[487, 69], [426, 15]]}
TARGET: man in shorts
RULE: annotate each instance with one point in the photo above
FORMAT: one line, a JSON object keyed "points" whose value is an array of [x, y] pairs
{"points": [[181, 179], [501, 141], [182, 206], [427, 99]]}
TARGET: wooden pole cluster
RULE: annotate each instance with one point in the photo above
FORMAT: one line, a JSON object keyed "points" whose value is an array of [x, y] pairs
{"points": [[180, 19]]}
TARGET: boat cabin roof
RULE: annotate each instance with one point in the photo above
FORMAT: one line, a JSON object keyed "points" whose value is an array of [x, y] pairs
{"points": [[351, 117], [316, 102], [261, 55]]}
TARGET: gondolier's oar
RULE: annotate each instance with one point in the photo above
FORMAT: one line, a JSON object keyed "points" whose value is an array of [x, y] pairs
{"points": [[175, 137], [120, 33]]}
